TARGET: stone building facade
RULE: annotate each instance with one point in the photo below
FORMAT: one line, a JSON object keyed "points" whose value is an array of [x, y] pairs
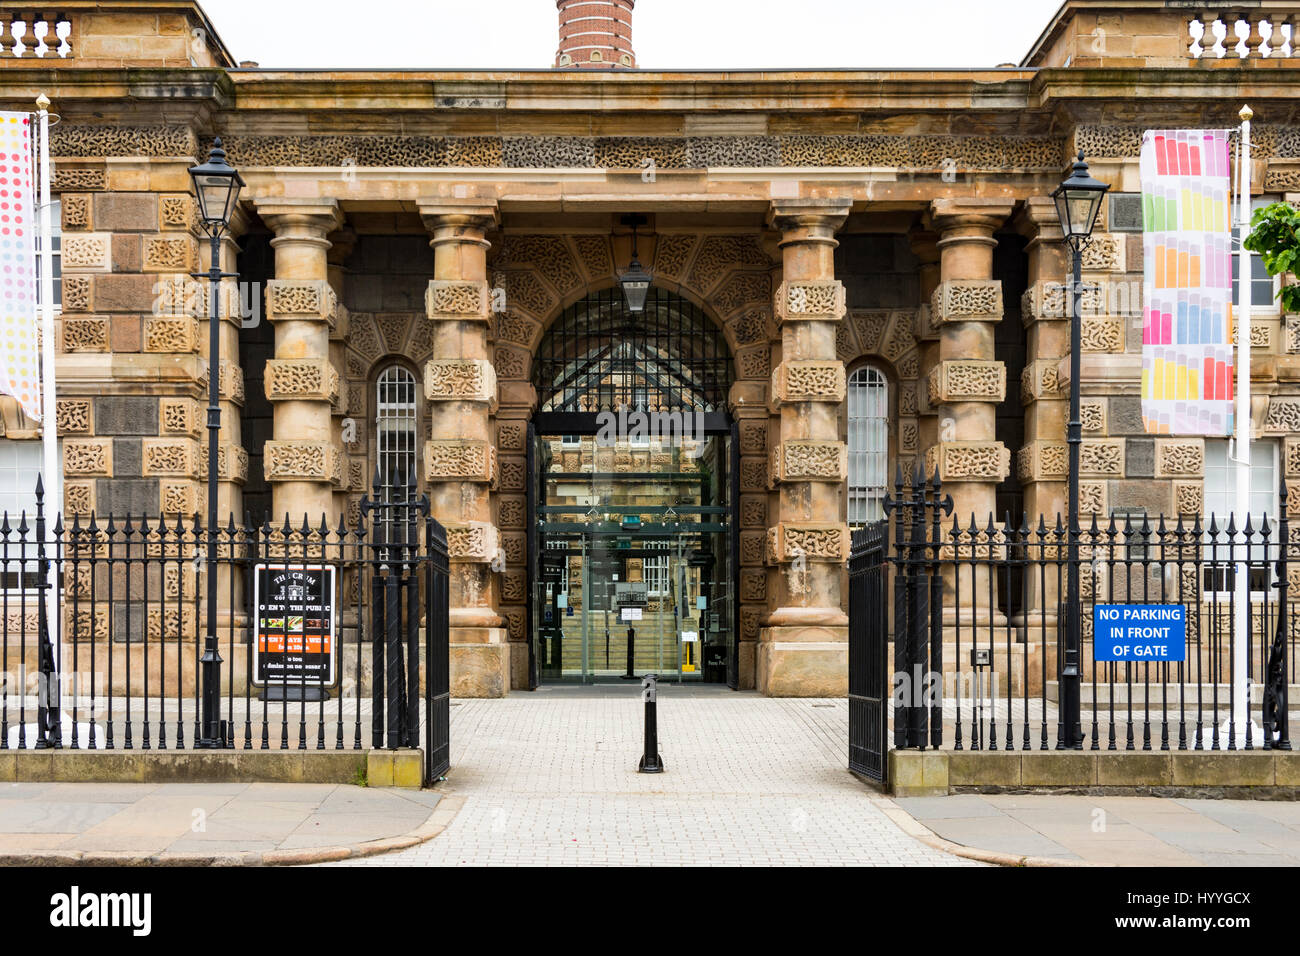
{"points": [[439, 223]]}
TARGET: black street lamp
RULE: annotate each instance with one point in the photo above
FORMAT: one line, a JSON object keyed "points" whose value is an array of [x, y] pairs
{"points": [[636, 280], [1078, 200], [216, 187]]}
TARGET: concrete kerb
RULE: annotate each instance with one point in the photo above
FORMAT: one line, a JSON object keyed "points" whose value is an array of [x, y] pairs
{"points": [[380, 768], [1257, 774], [437, 822], [919, 831]]}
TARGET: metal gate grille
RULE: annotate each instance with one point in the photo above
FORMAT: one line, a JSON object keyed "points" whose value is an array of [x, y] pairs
{"points": [[599, 357], [868, 642]]}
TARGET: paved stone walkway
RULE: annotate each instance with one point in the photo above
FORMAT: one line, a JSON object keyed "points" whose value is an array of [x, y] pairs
{"points": [[1117, 831], [207, 822], [550, 779]]}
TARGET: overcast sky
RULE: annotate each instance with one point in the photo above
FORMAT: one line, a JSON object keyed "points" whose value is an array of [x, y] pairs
{"points": [[668, 34]]}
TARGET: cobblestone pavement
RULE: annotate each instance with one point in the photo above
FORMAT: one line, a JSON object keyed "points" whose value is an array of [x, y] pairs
{"points": [[550, 779]]}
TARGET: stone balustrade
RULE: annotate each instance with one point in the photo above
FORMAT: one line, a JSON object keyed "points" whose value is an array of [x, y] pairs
{"points": [[1239, 35], [35, 35]]}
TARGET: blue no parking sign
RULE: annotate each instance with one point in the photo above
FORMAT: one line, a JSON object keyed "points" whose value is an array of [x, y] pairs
{"points": [[1139, 632]]}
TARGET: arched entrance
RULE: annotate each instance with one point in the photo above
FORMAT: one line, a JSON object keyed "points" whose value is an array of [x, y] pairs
{"points": [[632, 498]]}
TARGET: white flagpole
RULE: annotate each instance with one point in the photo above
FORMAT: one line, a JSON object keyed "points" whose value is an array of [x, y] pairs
{"points": [[49, 408], [1240, 714], [53, 479]]}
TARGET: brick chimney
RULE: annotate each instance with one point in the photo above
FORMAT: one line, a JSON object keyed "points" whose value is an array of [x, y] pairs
{"points": [[595, 35]]}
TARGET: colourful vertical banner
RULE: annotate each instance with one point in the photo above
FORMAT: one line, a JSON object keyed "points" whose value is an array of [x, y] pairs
{"points": [[19, 357], [1187, 353]]}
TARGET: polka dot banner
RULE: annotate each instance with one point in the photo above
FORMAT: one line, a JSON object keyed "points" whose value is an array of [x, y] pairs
{"points": [[19, 332]]}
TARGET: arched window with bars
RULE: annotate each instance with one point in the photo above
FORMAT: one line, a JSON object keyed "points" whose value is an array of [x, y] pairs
{"points": [[868, 439], [396, 429]]}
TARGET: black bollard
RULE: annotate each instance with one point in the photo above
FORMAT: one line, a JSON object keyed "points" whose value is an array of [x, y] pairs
{"points": [[650, 762], [631, 653]]}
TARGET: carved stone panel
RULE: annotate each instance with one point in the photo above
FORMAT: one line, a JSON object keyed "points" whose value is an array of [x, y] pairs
{"points": [[810, 461], [967, 300], [88, 456], [808, 300], [171, 334], [471, 380], [966, 381], [1102, 458], [87, 252], [809, 382], [446, 459], [301, 461], [820, 542], [177, 457], [300, 299], [967, 461], [457, 299], [301, 379], [1180, 457]]}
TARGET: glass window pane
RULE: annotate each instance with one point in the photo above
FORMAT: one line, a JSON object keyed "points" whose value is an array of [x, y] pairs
{"points": [[868, 440]]}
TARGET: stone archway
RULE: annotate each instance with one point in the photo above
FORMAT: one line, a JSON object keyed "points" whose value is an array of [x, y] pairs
{"points": [[533, 278]]}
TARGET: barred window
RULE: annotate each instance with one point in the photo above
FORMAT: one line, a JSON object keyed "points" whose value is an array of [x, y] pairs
{"points": [[395, 427], [868, 445]]}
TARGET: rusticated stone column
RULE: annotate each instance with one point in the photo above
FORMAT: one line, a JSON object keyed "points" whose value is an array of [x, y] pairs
{"points": [[342, 243], [1043, 463], [232, 458], [803, 649], [968, 382], [925, 246], [303, 463], [460, 459]]}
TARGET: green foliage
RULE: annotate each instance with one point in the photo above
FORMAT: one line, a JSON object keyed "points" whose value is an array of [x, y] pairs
{"points": [[1275, 235]]}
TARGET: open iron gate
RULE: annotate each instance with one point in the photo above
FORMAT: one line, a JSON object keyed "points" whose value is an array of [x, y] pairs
{"points": [[868, 652], [407, 554]]}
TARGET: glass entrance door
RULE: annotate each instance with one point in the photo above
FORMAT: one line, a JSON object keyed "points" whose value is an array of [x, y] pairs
{"points": [[634, 572]]}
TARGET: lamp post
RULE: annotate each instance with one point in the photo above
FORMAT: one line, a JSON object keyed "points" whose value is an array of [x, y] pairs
{"points": [[1078, 200], [216, 187], [636, 280]]}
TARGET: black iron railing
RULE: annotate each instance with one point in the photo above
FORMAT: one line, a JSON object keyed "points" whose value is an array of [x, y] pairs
{"points": [[978, 625], [330, 637]]}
